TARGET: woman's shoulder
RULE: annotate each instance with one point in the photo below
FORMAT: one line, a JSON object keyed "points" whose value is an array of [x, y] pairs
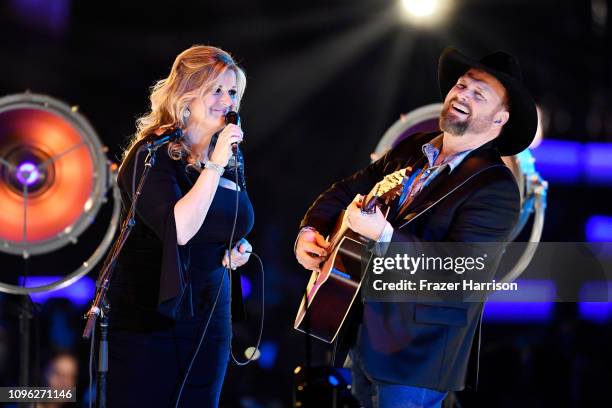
{"points": [[138, 154]]}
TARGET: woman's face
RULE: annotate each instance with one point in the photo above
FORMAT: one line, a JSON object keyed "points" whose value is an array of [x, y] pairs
{"points": [[208, 113]]}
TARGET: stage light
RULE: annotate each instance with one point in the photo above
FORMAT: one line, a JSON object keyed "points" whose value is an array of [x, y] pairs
{"points": [[333, 381], [596, 312], [269, 352], [568, 162], [423, 12], [598, 163], [420, 8], [541, 129], [245, 283], [79, 293], [598, 228], [518, 312], [27, 173], [52, 164], [54, 179]]}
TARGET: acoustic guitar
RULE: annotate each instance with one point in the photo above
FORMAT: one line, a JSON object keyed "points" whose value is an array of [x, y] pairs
{"points": [[330, 294]]}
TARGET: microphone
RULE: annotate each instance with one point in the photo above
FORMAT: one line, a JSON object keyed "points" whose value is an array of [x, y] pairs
{"points": [[233, 117], [155, 141]]}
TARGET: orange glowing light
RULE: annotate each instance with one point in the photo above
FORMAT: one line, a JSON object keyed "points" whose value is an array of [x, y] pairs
{"points": [[63, 201]]}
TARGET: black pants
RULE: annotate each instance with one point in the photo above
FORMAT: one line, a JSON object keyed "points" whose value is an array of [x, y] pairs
{"points": [[145, 369]]}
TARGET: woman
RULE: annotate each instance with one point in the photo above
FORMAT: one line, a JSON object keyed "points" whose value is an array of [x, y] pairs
{"points": [[171, 277]]}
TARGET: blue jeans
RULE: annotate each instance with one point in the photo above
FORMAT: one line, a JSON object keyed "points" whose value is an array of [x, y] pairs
{"points": [[374, 394]]}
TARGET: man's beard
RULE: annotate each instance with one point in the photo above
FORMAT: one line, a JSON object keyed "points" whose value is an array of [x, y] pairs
{"points": [[453, 125], [458, 127]]}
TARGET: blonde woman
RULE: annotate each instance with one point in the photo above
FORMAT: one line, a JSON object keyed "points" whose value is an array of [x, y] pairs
{"points": [[171, 279]]}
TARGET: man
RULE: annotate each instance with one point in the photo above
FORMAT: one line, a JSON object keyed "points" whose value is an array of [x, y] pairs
{"points": [[456, 189]]}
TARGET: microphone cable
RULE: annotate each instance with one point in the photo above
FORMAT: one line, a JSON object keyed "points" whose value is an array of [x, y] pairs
{"points": [[229, 269], [251, 358], [253, 353], [197, 350]]}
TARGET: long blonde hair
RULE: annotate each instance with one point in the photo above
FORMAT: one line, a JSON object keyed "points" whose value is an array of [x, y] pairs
{"points": [[193, 74]]}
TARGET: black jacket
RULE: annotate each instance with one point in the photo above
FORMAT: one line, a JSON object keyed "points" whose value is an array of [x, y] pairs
{"points": [[427, 344]]}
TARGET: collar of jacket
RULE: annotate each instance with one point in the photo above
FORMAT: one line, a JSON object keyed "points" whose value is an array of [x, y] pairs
{"points": [[477, 161]]}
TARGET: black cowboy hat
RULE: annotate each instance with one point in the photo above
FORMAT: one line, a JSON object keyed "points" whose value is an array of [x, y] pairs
{"points": [[518, 133]]}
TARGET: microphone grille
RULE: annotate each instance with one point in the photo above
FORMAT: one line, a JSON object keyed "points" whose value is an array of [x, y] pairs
{"points": [[232, 117]]}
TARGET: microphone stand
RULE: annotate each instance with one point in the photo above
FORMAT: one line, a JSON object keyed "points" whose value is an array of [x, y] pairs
{"points": [[99, 306], [26, 310]]}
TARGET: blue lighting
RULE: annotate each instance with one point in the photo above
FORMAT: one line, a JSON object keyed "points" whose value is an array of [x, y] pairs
{"points": [[568, 162], [53, 16], [269, 351], [558, 161], [596, 291], [595, 303], [599, 162], [246, 286], [60, 333], [530, 290], [79, 293], [344, 374], [595, 312], [333, 381], [518, 312], [599, 228]]}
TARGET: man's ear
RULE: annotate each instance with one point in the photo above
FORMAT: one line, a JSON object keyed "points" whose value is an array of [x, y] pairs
{"points": [[501, 118]]}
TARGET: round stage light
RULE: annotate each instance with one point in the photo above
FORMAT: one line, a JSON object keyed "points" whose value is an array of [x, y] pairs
{"points": [[52, 169], [54, 177]]}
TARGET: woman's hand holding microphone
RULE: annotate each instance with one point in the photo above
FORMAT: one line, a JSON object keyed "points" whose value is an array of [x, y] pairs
{"points": [[223, 149], [240, 254]]}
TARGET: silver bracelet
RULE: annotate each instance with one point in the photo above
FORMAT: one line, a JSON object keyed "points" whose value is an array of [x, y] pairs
{"points": [[214, 166]]}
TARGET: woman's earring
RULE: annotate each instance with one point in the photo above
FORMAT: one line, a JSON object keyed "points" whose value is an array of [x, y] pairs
{"points": [[186, 113]]}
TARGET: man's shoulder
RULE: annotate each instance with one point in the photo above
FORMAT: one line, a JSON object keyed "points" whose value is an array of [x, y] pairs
{"points": [[487, 156], [483, 170], [492, 173]]}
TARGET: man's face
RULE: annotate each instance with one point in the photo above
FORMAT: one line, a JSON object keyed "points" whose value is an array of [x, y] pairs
{"points": [[474, 105], [62, 372]]}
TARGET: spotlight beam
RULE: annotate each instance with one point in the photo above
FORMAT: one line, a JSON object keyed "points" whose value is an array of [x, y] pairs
{"points": [[331, 56]]}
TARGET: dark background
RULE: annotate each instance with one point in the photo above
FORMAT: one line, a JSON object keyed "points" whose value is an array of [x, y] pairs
{"points": [[325, 80]]}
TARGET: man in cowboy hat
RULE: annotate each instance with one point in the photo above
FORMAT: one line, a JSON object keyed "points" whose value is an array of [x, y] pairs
{"points": [[458, 190]]}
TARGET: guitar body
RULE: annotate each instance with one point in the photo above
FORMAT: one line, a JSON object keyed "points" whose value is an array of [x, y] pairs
{"points": [[332, 292]]}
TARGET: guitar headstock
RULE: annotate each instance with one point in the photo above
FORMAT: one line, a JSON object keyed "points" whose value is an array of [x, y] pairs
{"points": [[389, 187]]}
